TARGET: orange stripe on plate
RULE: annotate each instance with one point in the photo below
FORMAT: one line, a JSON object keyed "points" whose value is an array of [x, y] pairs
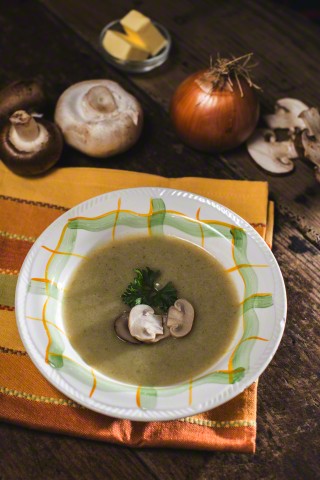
{"points": [[56, 252], [149, 218], [116, 219], [46, 280], [244, 265], [138, 397], [108, 214], [190, 392], [230, 363], [48, 323], [94, 384], [53, 254], [255, 338], [201, 229], [255, 295], [44, 321]]}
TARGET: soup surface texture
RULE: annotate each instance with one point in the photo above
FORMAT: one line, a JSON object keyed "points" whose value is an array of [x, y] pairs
{"points": [[92, 301]]}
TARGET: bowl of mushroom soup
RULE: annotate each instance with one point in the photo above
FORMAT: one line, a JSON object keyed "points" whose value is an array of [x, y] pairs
{"points": [[155, 304]]}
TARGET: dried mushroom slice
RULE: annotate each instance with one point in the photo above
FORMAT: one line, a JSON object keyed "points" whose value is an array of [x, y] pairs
{"points": [[311, 139], [311, 119], [287, 111], [274, 157]]}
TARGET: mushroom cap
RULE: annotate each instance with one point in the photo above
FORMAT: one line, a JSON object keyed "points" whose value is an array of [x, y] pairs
{"points": [[272, 156], [32, 162], [180, 318], [21, 95], [96, 132], [144, 324]]}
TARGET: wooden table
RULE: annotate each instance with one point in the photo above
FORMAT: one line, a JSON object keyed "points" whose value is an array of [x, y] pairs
{"points": [[58, 41]]}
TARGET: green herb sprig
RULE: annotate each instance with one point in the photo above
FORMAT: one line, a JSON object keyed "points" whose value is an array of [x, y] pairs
{"points": [[143, 290]]}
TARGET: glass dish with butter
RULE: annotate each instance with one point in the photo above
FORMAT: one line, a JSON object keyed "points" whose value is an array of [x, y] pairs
{"points": [[135, 43]]}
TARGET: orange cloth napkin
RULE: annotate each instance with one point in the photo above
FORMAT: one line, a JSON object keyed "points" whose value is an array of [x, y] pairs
{"points": [[27, 207]]}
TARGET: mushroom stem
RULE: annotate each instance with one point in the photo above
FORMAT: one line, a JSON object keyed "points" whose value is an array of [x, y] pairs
{"points": [[24, 125], [26, 134], [101, 99]]}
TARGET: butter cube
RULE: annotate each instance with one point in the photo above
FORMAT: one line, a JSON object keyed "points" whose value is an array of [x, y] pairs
{"points": [[120, 46], [142, 32]]}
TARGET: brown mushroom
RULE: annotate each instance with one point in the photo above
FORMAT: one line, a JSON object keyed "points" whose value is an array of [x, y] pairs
{"points": [[122, 329], [180, 318], [21, 95], [28, 145]]}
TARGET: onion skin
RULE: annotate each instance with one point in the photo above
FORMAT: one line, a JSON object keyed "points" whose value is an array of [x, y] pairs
{"points": [[216, 121]]}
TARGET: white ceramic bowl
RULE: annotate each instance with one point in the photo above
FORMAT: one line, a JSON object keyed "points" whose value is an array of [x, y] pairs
{"points": [[225, 235]]}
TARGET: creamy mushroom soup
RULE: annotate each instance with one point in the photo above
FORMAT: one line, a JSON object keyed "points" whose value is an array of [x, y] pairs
{"points": [[92, 302]]}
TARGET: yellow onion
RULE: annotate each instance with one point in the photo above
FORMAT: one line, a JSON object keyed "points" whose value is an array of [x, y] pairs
{"points": [[216, 109]]}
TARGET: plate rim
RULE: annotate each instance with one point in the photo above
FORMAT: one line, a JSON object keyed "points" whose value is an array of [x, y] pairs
{"points": [[139, 414]]}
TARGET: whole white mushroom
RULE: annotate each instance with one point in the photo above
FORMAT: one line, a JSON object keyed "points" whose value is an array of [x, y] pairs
{"points": [[99, 118]]}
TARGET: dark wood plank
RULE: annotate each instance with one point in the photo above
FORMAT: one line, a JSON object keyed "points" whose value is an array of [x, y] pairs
{"points": [[203, 27], [67, 59], [200, 28], [33, 44], [299, 200], [288, 405], [28, 455], [288, 393]]}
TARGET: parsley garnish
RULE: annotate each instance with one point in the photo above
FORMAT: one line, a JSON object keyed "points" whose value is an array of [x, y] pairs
{"points": [[144, 290]]}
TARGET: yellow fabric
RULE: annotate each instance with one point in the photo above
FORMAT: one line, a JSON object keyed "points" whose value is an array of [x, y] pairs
{"points": [[27, 206], [69, 186]]}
